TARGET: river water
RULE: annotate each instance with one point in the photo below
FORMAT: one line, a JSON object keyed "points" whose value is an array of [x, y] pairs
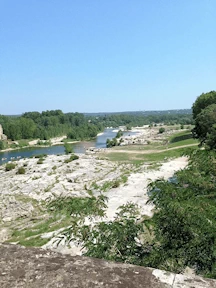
{"points": [[79, 147]]}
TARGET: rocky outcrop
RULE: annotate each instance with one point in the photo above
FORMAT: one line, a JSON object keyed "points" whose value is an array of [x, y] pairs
{"points": [[2, 136], [33, 267]]}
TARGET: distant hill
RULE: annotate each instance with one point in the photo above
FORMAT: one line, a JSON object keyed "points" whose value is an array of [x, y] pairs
{"points": [[144, 113]]}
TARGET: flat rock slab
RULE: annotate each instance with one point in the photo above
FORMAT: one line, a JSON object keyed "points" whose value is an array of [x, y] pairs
{"points": [[34, 267]]}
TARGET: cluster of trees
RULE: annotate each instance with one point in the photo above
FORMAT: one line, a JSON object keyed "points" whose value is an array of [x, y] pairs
{"points": [[49, 124], [131, 120]]}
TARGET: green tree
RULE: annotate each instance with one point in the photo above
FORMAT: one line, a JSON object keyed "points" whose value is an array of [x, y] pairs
{"points": [[204, 125], [204, 100], [68, 148], [1, 145]]}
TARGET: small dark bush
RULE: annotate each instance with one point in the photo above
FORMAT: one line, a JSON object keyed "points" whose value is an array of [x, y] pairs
{"points": [[116, 184], [161, 130], [40, 156], [21, 170], [10, 166], [40, 161], [72, 158]]}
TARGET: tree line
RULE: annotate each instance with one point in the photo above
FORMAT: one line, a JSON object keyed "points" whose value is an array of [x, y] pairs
{"points": [[77, 126], [48, 124], [130, 120]]}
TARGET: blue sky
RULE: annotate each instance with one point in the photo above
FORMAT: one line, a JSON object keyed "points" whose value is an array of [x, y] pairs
{"points": [[105, 55]]}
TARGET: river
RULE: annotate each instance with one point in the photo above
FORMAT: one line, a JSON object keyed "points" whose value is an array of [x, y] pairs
{"points": [[79, 147]]}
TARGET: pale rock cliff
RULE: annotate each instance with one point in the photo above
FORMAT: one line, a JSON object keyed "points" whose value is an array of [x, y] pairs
{"points": [[2, 135]]}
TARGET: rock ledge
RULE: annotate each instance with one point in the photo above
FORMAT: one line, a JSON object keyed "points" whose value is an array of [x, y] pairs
{"points": [[33, 267]]}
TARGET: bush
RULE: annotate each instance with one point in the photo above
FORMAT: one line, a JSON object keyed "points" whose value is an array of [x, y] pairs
{"points": [[10, 166], [116, 184], [21, 170], [111, 143], [68, 148], [161, 130], [79, 206], [72, 158], [40, 156], [44, 143], [40, 161]]}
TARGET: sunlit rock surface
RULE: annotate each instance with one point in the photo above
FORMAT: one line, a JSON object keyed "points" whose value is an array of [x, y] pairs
{"points": [[33, 267]]}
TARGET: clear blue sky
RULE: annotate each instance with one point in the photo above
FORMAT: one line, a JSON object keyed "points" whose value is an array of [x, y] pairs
{"points": [[105, 55]]}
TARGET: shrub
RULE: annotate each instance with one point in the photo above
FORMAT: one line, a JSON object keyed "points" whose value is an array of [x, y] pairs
{"points": [[116, 184], [10, 166], [44, 143], [40, 161], [79, 206], [40, 156], [72, 158], [161, 130], [21, 170], [68, 148]]}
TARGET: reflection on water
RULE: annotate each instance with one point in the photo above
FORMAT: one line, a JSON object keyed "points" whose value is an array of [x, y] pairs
{"points": [[79, 147]]}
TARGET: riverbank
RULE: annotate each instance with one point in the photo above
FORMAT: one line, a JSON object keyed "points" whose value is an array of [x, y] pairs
{"points": [[146, 135], [53, 142]]}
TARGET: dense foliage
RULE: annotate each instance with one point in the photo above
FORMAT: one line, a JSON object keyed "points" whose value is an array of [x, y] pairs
{"points": [[185, 223], [115, 120], [204, 100], [204, 113], [33, 125], [49, 124]]}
